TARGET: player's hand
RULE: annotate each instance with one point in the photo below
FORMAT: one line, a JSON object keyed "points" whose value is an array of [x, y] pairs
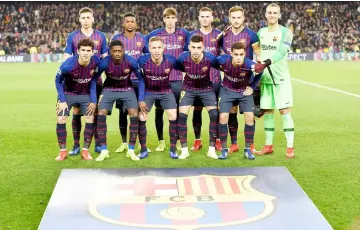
{"points": [[62, 107], [91, 109], [248, 91], [259, 67], [143, 107]]}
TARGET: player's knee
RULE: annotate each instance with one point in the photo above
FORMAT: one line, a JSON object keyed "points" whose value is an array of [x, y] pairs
{"points": [[133, 112], [172, 116], [76, 110], [213, 114], [249, 118], [103, 112], [143, 117], [89, 119], [223, 118], [182, 118], [61, 119], [285, 111]]}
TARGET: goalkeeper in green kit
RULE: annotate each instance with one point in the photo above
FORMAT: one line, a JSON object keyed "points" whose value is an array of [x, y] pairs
{"points": [[276, 89]]}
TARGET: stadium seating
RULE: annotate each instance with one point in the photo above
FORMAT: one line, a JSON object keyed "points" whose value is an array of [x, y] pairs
{"points": [[43, 27]]}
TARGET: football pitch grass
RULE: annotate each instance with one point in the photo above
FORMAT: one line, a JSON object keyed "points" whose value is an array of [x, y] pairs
{"points": [[327, 142]]}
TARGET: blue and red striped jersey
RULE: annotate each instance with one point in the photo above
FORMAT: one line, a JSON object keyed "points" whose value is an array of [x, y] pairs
{"points": [[174, 45], [197, 74], [118, 75], [237, 78], [246, 36], [156, 77], [74, 79], [211, 46], [99, 39], [134, 47]]}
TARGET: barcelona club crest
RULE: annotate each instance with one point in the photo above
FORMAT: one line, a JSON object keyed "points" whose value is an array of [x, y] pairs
{"points": [[139, 44], [275, 38], [204, 69], [213, 40], [96, 42], [126, 70], [243, 41], [180, 38], [179, 203], [167, 71]]}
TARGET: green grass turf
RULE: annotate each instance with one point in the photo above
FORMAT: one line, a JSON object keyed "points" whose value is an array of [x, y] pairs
{"points": [[327, 142]]}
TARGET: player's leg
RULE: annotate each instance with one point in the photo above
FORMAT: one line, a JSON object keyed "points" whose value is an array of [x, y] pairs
{"points": [[84, 101], [177, 87], [186, 101], [105, 107], [62, 117], [225, 102], [233, 129], [258, 112], [159, 124], [96, 138], [131, 104], [210, 102], [216, 87], [123, 124], [197, 124], [76, 127], [284, 102], [246, 104], [142, 131], [267, 105]]}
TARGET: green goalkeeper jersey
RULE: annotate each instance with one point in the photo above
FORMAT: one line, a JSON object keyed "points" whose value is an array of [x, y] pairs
{"points": [[275, 46]]}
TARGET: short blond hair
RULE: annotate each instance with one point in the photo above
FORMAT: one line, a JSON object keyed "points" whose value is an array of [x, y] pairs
{"points": [[235, 9], [274, 5], [170, 12], [205, 9], [85, 10], [155, 39]]}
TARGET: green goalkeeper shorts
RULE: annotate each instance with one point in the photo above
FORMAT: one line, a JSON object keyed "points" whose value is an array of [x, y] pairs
{"points": [[276, 97]]}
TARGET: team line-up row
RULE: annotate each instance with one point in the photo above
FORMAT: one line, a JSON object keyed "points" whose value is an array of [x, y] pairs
{"points": [[159, 78]]}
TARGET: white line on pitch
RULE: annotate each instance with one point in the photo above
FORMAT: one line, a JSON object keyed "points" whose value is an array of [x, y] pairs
{"points": [[325, 87]]}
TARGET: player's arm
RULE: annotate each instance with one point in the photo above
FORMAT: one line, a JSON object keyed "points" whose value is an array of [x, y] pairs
{"points": [[256, 46], [146, 45], [138, 72], [255, 78], [221, 60], [214, 61], [187, 36], [104, 48], [68, 48], [93, 82], [178, 62], [185, 48]]}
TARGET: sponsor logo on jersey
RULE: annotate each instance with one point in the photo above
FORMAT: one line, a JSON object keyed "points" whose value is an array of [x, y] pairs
{"points": [[268, 47]]}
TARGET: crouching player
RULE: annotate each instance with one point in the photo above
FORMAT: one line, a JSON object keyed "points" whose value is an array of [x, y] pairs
{"points": [[156, 68], [76, 86], [118, 68], [237, 86]]}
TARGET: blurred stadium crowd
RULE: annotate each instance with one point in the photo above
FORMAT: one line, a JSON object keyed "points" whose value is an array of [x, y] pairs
{"points": [[42, 27]]}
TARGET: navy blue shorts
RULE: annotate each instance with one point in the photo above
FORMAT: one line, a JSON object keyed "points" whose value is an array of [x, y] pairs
{"points": [[79, 101], [215, 86], [188, 97], [127, 98], [229, 98], [119, 104], [167, 101], [177, 87]]}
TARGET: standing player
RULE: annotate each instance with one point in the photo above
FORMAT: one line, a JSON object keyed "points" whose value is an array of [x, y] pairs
{"points": [[174, 40], [157, 68], [86, 19], [76, 84], [276, 90], [118, 87], [209, 35], [135, 44], [237, 87], [237, 32], [197, 84]]}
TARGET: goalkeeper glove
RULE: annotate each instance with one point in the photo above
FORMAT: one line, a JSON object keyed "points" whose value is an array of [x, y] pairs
{"points": [[259, 67]]}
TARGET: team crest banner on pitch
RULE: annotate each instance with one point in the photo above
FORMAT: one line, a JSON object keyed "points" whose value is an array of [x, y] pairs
{"points": [[182, 202]]}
